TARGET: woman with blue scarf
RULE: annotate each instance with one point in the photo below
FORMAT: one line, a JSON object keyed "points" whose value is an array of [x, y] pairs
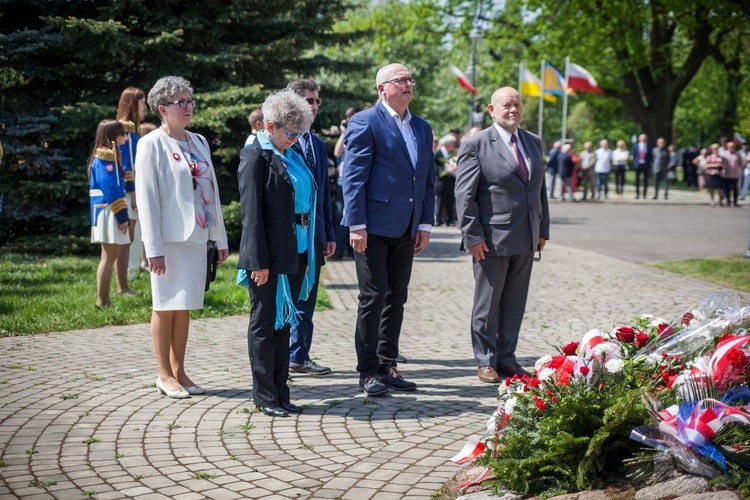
{"points": [[277, 196]]}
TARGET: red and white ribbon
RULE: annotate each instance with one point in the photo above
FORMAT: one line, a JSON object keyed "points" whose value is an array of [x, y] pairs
{"points": [[471, 450]]}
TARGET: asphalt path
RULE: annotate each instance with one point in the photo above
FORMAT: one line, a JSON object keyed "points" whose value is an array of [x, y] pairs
{"points": [[650, 232]]}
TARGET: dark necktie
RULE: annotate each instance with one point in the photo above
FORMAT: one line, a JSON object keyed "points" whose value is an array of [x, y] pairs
{"points": [[519, 159], [309, 159]]}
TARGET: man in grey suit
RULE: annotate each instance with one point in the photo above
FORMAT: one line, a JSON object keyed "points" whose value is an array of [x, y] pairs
{"points": [[501, 200]]}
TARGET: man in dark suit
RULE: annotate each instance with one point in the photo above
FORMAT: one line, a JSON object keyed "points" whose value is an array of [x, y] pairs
{"points": [[389, 195], [642, 157], [501, 197], [313, 150]]}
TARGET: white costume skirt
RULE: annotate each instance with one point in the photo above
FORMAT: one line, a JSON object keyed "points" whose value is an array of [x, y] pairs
{"points": [[106, 230], [132, 212], [182, 286]]}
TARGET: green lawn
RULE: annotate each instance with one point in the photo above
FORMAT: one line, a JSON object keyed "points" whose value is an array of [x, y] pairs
{"points": [[41, 294], [732, 271]]}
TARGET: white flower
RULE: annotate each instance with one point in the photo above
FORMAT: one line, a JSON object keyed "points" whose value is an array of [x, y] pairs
{"points": [[601, 349], [502, 388], [510, 404], [658, 321], [546, 374], [654, 359], [646, 316], [614, 365], [543, 361]]}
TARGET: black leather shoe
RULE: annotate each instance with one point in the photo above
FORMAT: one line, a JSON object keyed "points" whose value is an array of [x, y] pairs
{"points": [[393, 380], [514, 369], [291, 408], [272, 411], [372, 386]]}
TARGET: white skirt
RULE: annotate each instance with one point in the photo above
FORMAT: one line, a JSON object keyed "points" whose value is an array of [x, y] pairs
{"points": [[132, 212], [106, 230], [182, 286]]}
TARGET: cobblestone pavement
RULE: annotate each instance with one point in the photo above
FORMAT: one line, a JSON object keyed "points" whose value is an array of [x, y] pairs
{"points": [[80, 414]]}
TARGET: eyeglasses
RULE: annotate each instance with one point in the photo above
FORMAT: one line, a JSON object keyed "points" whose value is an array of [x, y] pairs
{"points": [[292, 136], [184, 104], [402, 82], [313, 100]]}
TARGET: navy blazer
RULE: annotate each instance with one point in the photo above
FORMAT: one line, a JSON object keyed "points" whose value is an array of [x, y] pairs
{"points": [[381, 187], [324, 219], [646, 167]]}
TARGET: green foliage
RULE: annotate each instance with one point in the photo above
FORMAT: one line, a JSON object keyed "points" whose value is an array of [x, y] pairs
{"points": [[233, 224]]}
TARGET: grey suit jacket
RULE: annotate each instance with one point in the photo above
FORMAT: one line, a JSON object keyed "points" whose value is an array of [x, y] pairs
{"points": [[493, 202]]}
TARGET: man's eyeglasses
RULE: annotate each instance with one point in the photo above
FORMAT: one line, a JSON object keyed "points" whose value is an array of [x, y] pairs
{"points": [[292, 136], [402, 82], [183, 103], [313, 100]]}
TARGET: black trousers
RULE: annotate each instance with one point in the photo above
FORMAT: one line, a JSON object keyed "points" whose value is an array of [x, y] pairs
{"points": [[268, 347], [383, 274], [641, 174]]}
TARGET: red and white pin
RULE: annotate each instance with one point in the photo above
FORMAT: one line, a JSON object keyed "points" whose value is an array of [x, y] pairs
{"points": [[176, 156]]}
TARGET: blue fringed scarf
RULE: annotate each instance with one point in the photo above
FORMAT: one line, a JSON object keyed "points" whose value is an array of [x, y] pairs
{"points": [[305, 197]]}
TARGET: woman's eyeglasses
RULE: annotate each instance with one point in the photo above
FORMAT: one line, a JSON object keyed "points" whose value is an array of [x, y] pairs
{"points": [[183, 103], [290, 135], [313, 100]]}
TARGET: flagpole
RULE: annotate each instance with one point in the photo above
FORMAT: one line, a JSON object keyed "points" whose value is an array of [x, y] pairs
{"points": [[565, 100], [541, 103]]}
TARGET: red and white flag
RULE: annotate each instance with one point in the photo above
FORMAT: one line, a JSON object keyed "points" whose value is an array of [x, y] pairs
{"points": [[580, 79], [462, 80], [738, 139], [472, 449]]}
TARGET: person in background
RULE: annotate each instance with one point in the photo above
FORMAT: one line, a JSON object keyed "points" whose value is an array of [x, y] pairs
{"points": [[620, 158], [659, 166], [501, 196], [313, 150], [713, 169], [109, 210], [445, 180], [131, 111], [688, 167], [588, 179], [343, 248], [389, 192], [732, 172], [552, 167], [566, 168], [700, 165], [180, 211], [641, 165], [602, 168], [256, 123], [277, 247], [745, 157]]}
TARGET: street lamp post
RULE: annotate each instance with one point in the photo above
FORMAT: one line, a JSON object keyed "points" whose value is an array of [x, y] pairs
{"points": [[474, 36]]}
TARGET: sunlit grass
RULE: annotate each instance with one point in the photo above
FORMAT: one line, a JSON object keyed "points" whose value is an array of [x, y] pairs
{"points": [[731, 271]]}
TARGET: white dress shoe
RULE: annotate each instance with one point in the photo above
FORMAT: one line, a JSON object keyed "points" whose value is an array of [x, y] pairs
{"points": [[195, 389], [181, 394]]}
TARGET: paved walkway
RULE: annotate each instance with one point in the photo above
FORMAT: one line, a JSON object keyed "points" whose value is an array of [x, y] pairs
{"points": [[79, 409]]}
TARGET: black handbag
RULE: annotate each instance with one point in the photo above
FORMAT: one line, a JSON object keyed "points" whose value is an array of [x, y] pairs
{"points": [[212, 261]]}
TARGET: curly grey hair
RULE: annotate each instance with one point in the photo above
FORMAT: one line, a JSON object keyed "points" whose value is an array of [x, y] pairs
{"points": [[164, 89], [285, 108]]}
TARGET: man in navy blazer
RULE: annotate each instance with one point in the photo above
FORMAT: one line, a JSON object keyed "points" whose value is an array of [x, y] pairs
{"points": [[314, 151], [389, 195], [642, 157]]}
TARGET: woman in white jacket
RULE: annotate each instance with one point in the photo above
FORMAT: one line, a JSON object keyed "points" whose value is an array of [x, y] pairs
{"points": [[179, 211]]}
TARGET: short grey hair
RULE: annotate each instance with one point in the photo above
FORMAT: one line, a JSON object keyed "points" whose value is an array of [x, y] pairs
{"points": [[447, 139], [286, 109], [164, 89]]}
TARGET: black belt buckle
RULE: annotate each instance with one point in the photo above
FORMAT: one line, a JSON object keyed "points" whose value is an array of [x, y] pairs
{"points": [[303, 219]]}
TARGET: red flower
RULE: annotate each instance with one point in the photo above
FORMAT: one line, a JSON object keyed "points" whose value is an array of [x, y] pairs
{"points": [[584, 370], [665, 330], [535, 382], [554, 399], [641, 339], [686, 318], [625, 334], [557, 362], [725, 336], [737, 358], [541, 405], [570, 349], [548, 393], [507, 382]]}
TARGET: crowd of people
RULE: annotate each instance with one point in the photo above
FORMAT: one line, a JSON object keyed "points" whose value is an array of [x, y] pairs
{"points": [[154, 194], [723, 169]]}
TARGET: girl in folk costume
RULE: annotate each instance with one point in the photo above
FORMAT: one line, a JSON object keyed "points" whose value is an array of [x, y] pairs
{"points": [[109, 212], [130, 112]]}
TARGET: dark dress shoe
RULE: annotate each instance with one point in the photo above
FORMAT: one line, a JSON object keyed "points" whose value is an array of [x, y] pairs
{"points": [[393, 380], [272, 411], [510, 370], [488, 374], [372, 387], [291, 408]]}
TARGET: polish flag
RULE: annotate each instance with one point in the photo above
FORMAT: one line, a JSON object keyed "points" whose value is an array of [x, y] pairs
{"points": [[472, 449], [738, 139], [580, 79], [462, 80]]}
